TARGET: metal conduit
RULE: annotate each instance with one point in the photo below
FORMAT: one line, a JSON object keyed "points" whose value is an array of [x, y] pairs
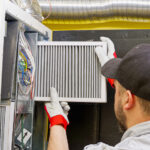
{"points": [[95, 9]]}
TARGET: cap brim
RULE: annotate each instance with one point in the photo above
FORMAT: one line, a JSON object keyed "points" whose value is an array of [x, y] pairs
{"points": [[109, 70]]}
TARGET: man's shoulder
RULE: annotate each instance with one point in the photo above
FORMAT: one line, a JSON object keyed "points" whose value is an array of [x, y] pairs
{"points": [[130, 143], [136, 143], [101, 146]]}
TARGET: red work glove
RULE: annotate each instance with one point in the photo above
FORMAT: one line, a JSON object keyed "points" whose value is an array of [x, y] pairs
{"points": [[106, 55], [57, 111]]}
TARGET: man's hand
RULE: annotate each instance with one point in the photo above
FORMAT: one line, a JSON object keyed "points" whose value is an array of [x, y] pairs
{"points": [[102, 55], [57, 111], [105, 55], [110, 47]]}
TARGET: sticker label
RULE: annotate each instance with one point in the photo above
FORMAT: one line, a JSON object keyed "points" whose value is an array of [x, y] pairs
{"points": [[26, 136]]}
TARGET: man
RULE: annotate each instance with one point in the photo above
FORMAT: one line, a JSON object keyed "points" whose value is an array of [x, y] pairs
{"points": [[132, 101]]}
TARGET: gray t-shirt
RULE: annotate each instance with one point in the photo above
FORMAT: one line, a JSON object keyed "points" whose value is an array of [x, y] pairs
{"points": [[135, 138]]}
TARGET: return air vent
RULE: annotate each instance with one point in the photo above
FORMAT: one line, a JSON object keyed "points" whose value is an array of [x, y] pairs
{"points": [[72, 68]]}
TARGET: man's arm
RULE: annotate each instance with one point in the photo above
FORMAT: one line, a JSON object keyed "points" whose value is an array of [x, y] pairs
{"points": [[57, 113], [58, 138]]}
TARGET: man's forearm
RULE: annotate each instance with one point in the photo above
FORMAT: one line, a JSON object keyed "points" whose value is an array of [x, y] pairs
{"points": [[58, 138]]}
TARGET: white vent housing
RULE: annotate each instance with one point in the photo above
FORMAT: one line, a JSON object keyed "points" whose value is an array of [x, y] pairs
{"points": [[73, 69], [6, 126]]}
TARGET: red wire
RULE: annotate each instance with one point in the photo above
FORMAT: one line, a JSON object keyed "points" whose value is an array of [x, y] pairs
{"points": [[50, 10]]}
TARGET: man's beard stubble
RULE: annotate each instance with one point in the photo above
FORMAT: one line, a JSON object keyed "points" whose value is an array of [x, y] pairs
{"points": [[121, 118]]}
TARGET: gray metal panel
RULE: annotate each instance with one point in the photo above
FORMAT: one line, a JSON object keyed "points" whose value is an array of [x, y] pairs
{"points": [[2, 126], [9, 59]]}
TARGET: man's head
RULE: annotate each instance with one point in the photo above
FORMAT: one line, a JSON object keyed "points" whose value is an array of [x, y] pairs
{"points": [[129, 108], [132, 84]]}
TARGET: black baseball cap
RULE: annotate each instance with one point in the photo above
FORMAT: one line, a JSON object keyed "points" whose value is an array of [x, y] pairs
{"points": [[132, 71]]}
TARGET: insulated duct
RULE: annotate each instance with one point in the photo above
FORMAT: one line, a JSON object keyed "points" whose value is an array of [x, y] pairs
{"points": [[91, 10]]}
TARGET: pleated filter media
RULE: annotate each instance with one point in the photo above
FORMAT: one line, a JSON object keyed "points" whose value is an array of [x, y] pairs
{"points": [[72, 68]]}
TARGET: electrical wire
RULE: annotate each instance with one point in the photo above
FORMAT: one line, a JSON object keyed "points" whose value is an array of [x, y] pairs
{"points": [[50, 10], [24, 89], [29, 53], [22, 62], [26, 66]]}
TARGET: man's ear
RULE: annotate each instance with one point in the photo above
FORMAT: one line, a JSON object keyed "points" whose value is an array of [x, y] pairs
{"points": [[129, 101]]}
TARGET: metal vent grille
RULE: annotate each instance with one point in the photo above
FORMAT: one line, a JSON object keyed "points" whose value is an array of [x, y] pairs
{"points": [[2, 126], [72, 68]]}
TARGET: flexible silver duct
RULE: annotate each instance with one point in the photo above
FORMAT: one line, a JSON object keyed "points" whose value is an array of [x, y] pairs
{"points": [[95, 9], [30, 6]]}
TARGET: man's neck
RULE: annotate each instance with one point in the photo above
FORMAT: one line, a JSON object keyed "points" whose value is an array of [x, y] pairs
{"points": [[137, 120]]}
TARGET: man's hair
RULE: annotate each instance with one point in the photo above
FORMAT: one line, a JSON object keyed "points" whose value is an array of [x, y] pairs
{"points": [[145, 104], [121, 89]]}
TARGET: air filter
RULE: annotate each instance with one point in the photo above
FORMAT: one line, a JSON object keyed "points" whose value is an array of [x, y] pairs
{"points": [[72, 68]]}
